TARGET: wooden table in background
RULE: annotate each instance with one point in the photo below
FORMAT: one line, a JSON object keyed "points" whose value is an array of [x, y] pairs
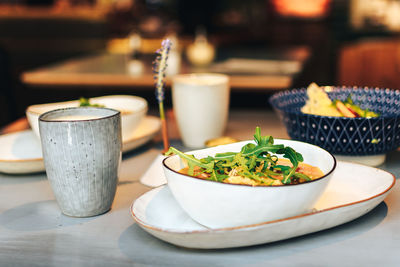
{"points": [[112, 70]]}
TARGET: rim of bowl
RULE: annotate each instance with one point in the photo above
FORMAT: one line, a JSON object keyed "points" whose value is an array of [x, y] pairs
{"points": [[338, 88], [264, 186], [187, 78], [31, 109], [116, 113]]}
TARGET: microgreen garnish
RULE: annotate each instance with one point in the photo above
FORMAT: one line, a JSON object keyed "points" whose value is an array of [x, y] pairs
{"points": [[255, 161], [85, 102]]}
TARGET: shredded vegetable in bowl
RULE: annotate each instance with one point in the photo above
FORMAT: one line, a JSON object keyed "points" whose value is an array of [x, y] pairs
{"points": [[255, 164], [319, 103]]}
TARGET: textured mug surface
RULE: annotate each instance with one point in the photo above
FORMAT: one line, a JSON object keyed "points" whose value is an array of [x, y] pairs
{"points": [[82, 153]]}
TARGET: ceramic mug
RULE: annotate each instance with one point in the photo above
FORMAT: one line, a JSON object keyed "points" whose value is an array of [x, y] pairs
{"points": [[201, 106], [82, 153]]}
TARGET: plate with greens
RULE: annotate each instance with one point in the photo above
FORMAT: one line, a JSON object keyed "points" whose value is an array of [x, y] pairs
{"points": [[158, 213]]}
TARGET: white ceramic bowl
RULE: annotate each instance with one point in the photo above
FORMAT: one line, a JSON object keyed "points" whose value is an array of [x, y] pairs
{"points": [[221, 205], [133, 109]]}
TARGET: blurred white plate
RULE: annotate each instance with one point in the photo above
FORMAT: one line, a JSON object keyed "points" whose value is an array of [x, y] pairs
{"points": [[345, 199], [147, 129], [133, 110], [21, 152]]}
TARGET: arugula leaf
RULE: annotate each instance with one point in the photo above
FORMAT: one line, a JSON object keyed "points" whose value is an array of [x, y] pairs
{"points": [[252, 162], [260, 149], [282, 168], [218, 177], [295, 158], [302, 176], [257, 135], [226, 155], [262, 140], [191, 161]]}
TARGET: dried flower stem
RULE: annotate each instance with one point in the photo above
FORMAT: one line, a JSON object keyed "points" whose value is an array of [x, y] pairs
{"points": [[159, 67]]}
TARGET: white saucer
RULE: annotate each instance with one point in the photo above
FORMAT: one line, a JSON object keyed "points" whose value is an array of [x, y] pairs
{"points": [[21, 152], [159, 214]]}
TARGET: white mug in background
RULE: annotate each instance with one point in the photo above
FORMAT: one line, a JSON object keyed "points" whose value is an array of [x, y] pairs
{"points": [[201, 106], [82, 153]]}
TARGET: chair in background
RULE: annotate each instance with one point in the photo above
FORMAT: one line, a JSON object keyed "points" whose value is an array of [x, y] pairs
{"points": [[373, 63]]}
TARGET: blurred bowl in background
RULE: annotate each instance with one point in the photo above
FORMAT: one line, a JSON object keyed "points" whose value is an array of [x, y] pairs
{"points": [[364, 140], [132, 108]]}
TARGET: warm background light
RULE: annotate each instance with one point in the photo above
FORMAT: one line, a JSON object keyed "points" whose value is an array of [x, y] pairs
{"points": [[302, 8]]}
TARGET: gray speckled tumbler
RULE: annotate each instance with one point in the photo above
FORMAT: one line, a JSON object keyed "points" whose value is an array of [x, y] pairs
{"points": [[82, 153]]}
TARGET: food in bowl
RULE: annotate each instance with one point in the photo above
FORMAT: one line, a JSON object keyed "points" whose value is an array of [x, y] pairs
{"points": [[132, 108], [220, 205], [256, 164], [85, 102], [364, 140], [319, 103]]}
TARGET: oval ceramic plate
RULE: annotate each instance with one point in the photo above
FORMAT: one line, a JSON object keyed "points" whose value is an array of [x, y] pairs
{"points": [[21, 151], [344, 200]]}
